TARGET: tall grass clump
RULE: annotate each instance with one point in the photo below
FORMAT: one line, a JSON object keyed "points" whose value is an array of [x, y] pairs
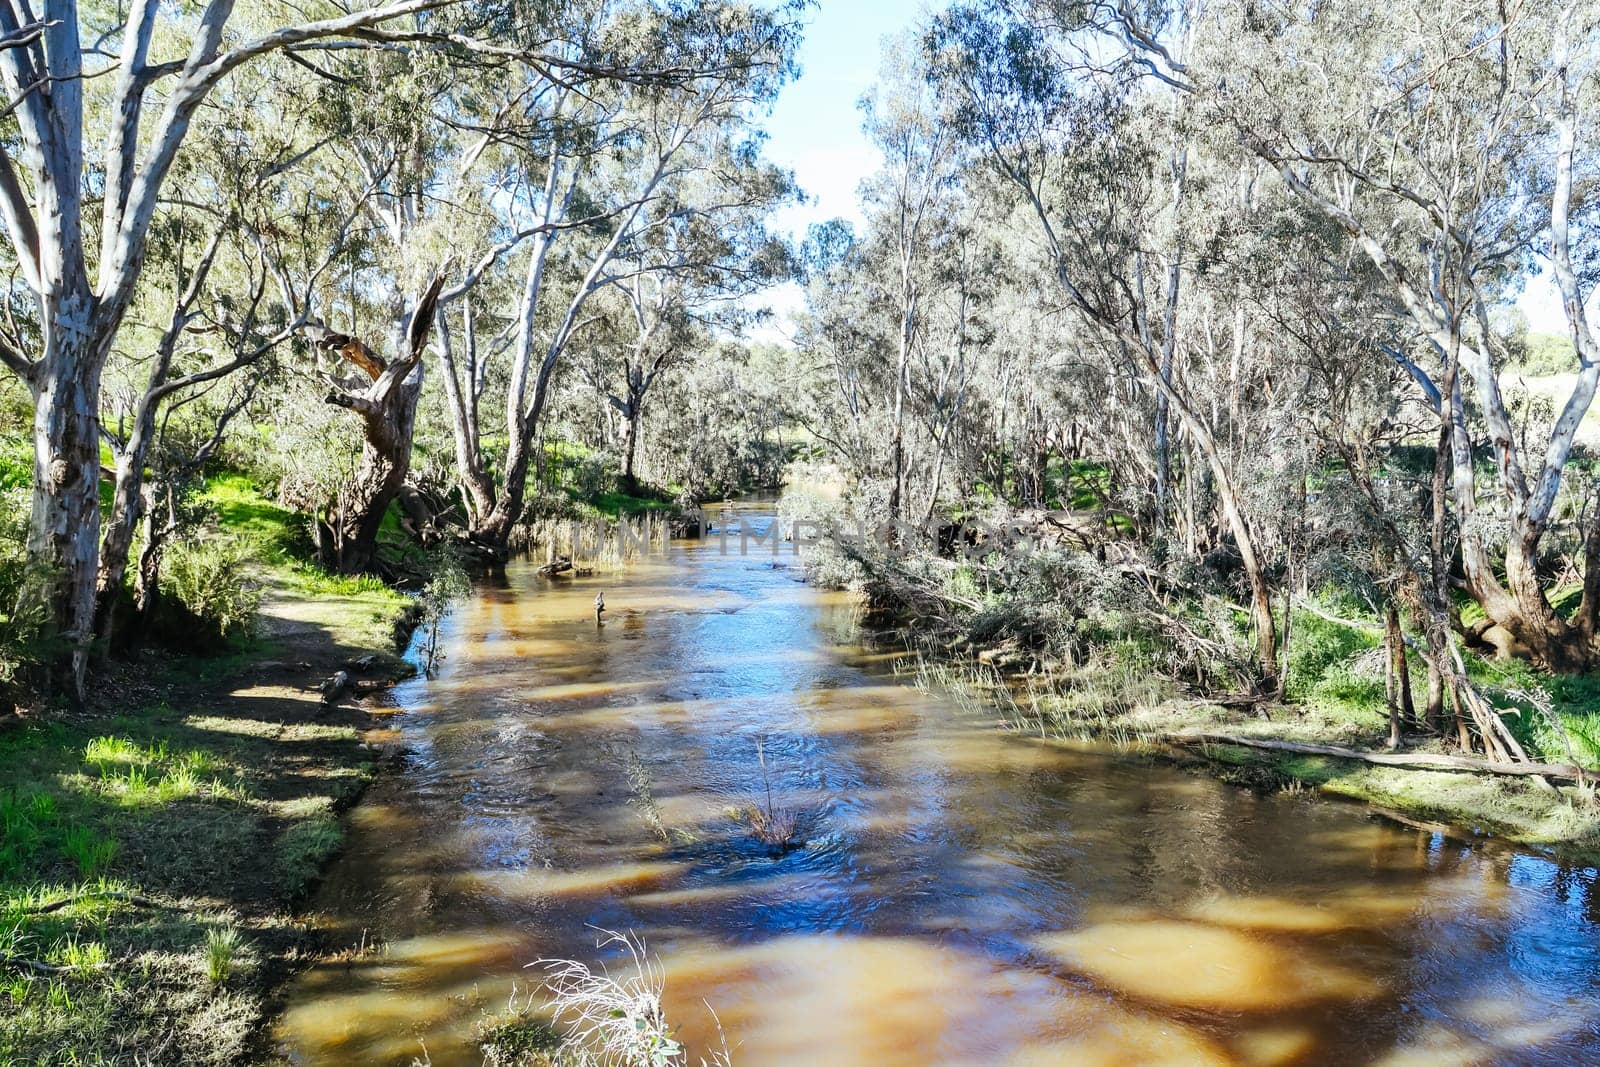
{"points": [[222, 952], [618, 1019], [90, 851], [24, 641]]}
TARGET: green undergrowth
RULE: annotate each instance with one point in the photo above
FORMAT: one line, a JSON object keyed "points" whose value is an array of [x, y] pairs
{"points": [[277, 537], [186, 822], [1092, 672], [618, 504], [181, 837]]}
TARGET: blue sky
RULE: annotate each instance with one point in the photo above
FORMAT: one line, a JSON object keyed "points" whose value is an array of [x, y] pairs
{"points": [[815, 128], [815, 131]]}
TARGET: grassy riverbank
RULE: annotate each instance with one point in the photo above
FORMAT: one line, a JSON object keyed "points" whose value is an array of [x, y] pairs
{"points": [[158, 843], [1565, 823], [1142, 713], [1077, 648]]}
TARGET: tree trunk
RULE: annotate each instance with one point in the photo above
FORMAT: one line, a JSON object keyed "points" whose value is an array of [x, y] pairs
{"points": [[897, 448], [1589, 602], [128, 503], [630, 446], [157, 528], [461, 395], [385, 462], [1398, 673], [388, 409], [64, 532]]}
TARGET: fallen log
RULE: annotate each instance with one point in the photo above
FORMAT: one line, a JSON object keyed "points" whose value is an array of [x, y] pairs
{"points": [[1430, 761], [559, 565]]}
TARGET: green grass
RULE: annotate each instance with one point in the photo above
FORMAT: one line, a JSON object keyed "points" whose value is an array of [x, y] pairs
{"points": [[1322, 657], [617, 504], [221, 811], [173, 808], [223, 947], [277, 534], [278, 538], [303, 849]]}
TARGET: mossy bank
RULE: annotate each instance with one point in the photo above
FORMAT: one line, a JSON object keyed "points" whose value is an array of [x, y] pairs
{"points": [[1149, 720]]}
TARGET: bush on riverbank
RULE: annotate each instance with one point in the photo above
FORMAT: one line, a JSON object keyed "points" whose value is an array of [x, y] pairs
{"points": [[1089, 640]]}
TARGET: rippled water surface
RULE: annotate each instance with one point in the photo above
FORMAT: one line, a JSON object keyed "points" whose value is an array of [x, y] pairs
{"points": [[962, 895]]}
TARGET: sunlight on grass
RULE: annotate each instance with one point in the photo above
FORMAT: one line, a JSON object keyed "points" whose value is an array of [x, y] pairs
{"points": [[152, 774]]}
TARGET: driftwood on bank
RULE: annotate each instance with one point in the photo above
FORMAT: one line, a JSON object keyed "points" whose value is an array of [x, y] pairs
{"points": [[1431, 761]]}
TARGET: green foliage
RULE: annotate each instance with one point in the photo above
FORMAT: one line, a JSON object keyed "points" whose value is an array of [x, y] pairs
{"points": [[152, 774], [519, 1039], [212, 581], [25, 818], [16, 462], [1344, 686], [1547, 353], [179, 808], [272, 533], [447, 582], [316, 582], [24, 643], [618, 504], [1319, 659]]}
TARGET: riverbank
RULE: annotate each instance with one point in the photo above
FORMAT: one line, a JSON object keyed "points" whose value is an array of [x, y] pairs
{"points": [[158, 844], [1100, 644], [1157, 721], [1563, 822]]}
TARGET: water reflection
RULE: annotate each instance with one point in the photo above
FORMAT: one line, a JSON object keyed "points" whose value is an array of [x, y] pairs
{"points": [[960, 895]]}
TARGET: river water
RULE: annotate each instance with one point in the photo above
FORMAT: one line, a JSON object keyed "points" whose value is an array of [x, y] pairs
{"points": [[959, 895]]}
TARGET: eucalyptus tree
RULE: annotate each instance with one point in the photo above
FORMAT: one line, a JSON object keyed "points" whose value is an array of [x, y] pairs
{"points": [[1451, 143], [1101, 161], [418, 122], [844, 339], [705, 256], [590, 176], [910, 196], [69, 159], [207, 306]]}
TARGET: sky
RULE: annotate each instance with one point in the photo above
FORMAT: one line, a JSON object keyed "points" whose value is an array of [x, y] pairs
{"points": [[815, 128], [815, 131]]}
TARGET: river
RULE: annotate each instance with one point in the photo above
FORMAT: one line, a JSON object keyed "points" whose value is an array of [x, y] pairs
{"points": [[959, 894]]}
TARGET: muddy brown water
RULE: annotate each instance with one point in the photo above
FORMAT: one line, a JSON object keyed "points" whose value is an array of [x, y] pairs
{"points": [[962, 895]]}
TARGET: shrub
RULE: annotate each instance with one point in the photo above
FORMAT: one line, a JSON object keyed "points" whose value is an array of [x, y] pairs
{"points": [[23, 618], [209, 581], [447, 583]]}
